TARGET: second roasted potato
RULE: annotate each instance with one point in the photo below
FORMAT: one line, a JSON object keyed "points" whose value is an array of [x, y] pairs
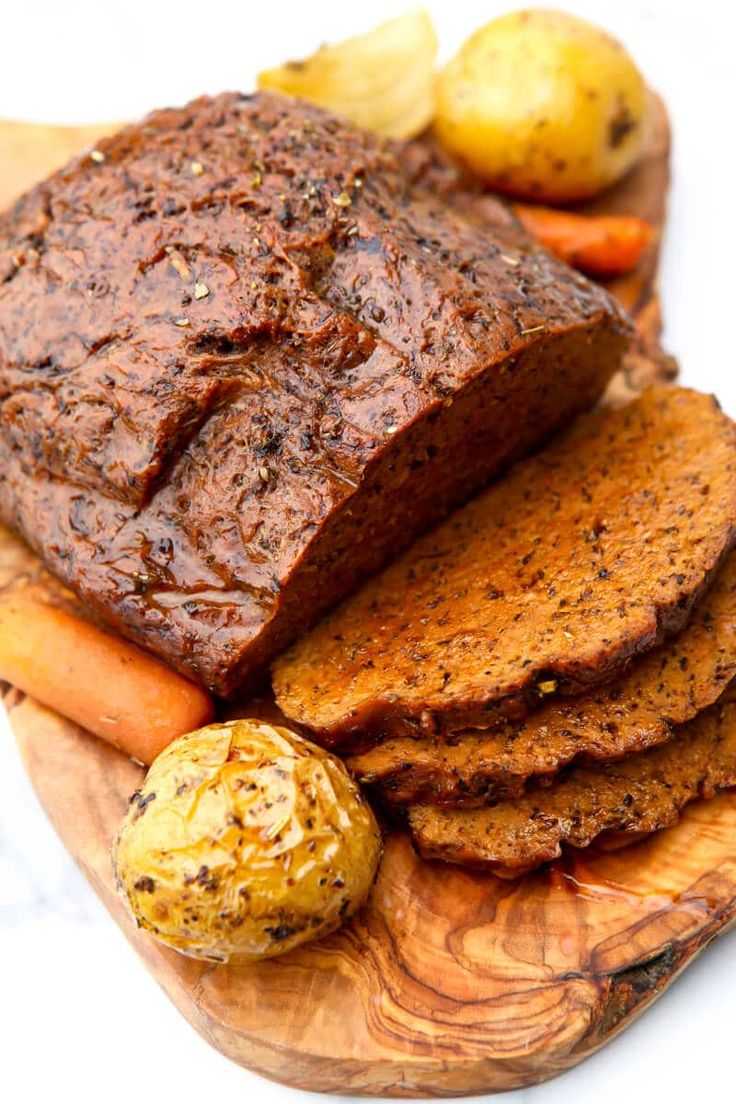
{"points": [[543, 106]]}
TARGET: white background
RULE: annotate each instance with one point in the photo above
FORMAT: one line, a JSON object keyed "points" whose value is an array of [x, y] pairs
{"points": [[79, 1017]]}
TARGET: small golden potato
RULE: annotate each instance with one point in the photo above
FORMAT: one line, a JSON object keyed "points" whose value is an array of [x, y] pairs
{"points": [[243, 842], [543, 106]]}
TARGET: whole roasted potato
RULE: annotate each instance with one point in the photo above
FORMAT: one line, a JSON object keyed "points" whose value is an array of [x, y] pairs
{"points": [[243, 842], [543, 105]]}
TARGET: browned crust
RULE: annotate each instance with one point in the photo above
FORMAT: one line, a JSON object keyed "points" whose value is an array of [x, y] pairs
{"points": [[639, 795], [209, 430]]}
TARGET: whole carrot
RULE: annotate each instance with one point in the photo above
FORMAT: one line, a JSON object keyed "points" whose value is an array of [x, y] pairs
{"points": [[601, 245], [103, 683]]}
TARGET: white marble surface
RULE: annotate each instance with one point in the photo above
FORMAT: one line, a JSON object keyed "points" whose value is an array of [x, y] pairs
{"points": [[79, 1017]]}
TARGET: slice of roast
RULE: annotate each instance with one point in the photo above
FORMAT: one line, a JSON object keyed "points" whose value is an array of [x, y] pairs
{"points": [[633, 797], [580, 559], [669, 686]]}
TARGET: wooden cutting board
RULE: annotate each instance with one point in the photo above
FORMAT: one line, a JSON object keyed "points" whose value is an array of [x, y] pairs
{"points": [[448, 982]]}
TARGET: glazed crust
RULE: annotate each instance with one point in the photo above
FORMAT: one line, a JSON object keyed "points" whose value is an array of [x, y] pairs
{"points": [[245, 357]]}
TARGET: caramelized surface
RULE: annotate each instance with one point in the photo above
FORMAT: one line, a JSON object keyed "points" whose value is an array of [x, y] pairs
{"points": [[244, 357]]}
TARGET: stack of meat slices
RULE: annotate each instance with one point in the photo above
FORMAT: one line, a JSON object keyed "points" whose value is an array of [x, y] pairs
{"points": [[551, 665]]}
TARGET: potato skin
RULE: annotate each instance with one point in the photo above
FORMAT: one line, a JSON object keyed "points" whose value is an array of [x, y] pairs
{"points": [[243, 842], [543, 106]]}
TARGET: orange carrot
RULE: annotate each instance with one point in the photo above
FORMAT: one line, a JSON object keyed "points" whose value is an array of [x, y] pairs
{"points": [[601, 245], [103, 683]]}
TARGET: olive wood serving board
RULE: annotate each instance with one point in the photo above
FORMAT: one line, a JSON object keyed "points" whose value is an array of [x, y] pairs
{"points": [[448, 982]]}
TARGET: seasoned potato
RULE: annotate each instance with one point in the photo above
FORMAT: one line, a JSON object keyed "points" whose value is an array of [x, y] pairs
{"points": [[543, 105], [382, 81], [243, 842]]}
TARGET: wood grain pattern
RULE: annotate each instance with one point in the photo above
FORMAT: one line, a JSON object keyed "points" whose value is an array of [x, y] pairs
{"points": [[448, 982]]}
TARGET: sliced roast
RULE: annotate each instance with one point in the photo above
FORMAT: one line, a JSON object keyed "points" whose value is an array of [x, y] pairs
{"points": [[631, 798], [667, 687], [553, 579]]}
